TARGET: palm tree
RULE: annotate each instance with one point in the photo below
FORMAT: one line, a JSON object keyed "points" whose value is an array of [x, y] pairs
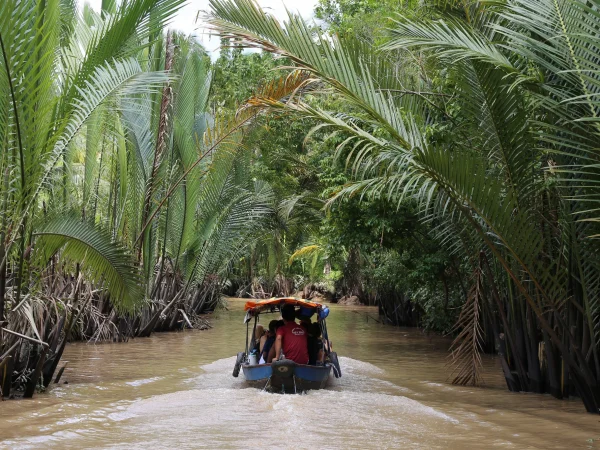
{"points": [[63, 73], [57, 73], [123, 200], [513, 188]]}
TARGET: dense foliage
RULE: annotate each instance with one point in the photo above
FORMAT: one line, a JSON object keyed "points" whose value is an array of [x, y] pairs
{"points": [[436, 160], [123, 198], [371, 249], [483, 117]]}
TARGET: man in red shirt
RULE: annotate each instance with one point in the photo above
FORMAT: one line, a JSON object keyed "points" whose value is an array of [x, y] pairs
{"points": [[291, 337]]}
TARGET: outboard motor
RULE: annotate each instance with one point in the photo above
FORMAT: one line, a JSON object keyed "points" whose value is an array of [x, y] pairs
{"points": [[283, 368]]}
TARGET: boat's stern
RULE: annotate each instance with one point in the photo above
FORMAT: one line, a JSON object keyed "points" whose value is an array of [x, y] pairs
{"points": [[257, 372]]}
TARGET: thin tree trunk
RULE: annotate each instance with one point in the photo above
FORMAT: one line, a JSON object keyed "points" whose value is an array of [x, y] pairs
{"points": [[3, 249], [160, 139]]}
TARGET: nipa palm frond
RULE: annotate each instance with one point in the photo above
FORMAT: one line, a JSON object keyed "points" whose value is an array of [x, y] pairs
{"points": [[102, 259], [467, 346]]}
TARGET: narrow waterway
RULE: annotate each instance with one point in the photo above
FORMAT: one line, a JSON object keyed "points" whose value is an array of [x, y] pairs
{"points": [[175, 390]]}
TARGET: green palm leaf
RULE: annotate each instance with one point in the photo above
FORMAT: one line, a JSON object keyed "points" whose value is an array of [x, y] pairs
{"points": [[104, 261], [122, 78]]}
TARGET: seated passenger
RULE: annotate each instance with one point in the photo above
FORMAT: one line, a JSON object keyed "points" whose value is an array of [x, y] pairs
{"points": [[258, 333], [271, 354], [262, 341], [303, 315], [304, 322], [315, 345], [269, 340], [291, 337]]}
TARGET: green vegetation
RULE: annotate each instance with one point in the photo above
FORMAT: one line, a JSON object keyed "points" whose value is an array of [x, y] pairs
{"points": [[123, 198], [483, 118], [438, 161]]}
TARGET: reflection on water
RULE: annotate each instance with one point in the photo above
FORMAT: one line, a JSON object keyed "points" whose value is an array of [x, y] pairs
{"points": [[176, 390]]}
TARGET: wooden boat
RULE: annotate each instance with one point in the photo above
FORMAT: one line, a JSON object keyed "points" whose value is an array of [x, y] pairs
{"points": [[285, 375]]}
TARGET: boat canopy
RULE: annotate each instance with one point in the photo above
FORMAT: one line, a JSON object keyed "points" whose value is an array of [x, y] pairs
{"points": [[255, 307]]}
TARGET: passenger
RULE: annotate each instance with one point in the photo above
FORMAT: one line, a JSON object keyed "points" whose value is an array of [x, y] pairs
{"points": [[305, 322], [271, 354], [291, 337], [259, 331], [315, 345], [303, 315], [263, 340], [269, 340]]}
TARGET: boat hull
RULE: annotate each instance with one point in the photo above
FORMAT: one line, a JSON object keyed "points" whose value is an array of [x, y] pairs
{"points": [[303, 378]]}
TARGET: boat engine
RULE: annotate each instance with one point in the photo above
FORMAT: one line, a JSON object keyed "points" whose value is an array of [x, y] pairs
{"points": [[284, 368]]}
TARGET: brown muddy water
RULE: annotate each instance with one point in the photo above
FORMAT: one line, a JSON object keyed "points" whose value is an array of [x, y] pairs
{"points": [[175, 390]]}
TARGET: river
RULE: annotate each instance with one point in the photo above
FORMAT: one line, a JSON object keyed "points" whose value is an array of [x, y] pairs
{"points": [[175, 390]]}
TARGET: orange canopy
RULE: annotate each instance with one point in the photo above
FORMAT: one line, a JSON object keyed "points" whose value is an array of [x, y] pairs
{"points": [[260, 305]]}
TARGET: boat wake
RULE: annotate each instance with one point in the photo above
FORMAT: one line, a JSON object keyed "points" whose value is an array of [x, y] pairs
{"points": [[211, 409], [358, 410]]}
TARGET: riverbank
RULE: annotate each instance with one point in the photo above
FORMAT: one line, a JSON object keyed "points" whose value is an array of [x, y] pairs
{"points": [[29, 363], [176, 389]]}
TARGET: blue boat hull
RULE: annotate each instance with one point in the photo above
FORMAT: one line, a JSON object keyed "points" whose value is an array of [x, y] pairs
{"points": [[305, 377], [257, 372]]}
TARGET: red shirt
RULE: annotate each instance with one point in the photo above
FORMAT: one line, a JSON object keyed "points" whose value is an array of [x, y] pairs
{"points": [[293, 343]]}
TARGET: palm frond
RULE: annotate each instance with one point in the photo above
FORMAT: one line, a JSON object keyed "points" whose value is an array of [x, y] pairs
{"points": [[305, 252], [467, 347], [122, 78], [104, 261]]}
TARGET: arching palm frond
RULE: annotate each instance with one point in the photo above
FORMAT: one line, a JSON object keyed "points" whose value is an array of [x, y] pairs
{"points": [[231, 210], [104, 261], [122, 35], [306, 252], [345, 65], [122, 78]]}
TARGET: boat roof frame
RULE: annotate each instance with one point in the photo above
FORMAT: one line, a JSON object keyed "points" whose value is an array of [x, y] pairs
{"points": [[254, 308]]}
